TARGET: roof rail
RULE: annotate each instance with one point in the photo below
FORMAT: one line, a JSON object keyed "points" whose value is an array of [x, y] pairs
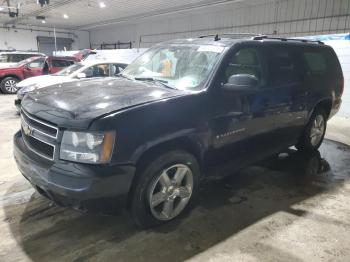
{"points": [[262, 37], [217, 36]]}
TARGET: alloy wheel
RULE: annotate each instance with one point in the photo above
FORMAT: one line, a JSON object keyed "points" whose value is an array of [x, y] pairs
{"points": [[317, 130], [10, 86], [171, 192]]}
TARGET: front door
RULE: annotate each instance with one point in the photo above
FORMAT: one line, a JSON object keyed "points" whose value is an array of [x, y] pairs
{"points": [[242, 122], [34, 68]]}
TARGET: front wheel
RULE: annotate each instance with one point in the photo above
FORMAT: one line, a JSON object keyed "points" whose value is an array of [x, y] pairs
{"points": [[314, 132], [166, 188], [8, 85]]}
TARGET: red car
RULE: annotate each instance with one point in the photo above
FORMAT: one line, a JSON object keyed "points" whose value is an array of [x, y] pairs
{"points": [[33, 66]]}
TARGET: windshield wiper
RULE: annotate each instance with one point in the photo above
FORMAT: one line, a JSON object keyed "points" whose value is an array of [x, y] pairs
{"points": [[151, 79]]}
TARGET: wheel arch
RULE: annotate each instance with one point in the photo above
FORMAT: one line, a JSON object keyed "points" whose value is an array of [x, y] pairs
{"points": [[187, 144], [325, 104], [11, 75], [191, 145]]}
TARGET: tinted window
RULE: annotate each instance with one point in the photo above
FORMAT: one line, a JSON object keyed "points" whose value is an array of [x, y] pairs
{"points": [[315, 61], [245, 61], [69, 62], [101, 70], [61, 63], [281, 66], [14, 58], [3, 58]]}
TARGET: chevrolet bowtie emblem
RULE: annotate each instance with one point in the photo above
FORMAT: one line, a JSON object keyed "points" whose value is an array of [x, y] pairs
{"points": [[27, 129]]}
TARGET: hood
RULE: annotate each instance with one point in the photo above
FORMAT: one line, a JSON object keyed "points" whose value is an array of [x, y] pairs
{"points": [[42, 81], [76, 104]]}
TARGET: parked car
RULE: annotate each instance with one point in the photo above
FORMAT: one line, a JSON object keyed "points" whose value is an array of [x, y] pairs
{"points": [[75, 72], [34, 66], [83, 54], [184, 111], [10, 58]]}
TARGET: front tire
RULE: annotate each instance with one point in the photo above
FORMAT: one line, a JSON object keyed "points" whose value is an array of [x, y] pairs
{"points": [[165, 189], [8, 85], [314, 132]]}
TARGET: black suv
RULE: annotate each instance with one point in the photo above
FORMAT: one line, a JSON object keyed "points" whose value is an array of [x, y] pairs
{"points": [[184, 111]]}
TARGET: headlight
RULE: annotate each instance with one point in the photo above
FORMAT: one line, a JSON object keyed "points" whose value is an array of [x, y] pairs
{"points": [[24, 90], [92, 147], [30, 88]]}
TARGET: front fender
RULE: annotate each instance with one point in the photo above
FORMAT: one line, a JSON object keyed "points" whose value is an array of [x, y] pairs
{"points": [[187, 139]]}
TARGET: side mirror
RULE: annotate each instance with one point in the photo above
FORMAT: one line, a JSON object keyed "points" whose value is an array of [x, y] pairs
{"points": [[241, 83], [81, 75], [27, 67]]}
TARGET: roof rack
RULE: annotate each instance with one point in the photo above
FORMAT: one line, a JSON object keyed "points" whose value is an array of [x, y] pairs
{"points": [[217, 38], [262, 37]]}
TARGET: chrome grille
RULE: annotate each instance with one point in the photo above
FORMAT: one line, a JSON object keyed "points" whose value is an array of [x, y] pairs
{"points": [[39, 137], [40, 126]]}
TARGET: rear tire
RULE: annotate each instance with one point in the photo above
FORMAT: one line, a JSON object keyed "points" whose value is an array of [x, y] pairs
{"points": [[8, 85], [314, 131], [165, 189]]}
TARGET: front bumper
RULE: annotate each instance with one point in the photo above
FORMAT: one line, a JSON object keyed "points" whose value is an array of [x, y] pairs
{"points": [[96, 188]]}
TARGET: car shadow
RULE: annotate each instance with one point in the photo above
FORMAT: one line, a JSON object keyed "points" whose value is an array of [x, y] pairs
{"points": [[226, 207]]}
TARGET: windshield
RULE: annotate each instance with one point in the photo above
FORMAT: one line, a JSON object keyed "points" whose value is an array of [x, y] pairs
{"points": [[184, 67], [69, 70]]}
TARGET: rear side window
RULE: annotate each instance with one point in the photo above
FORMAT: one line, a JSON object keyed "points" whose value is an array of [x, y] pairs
{"points": [[282, 68], [101, 70], [315, 61], [69, 62], [14, 58], [116, 69], [61, 63], [3, 58]]}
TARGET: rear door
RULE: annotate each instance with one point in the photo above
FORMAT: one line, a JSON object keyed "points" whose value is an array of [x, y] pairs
{"points": [[322, 75], [34, 68], [288, 93], [59, 64]]}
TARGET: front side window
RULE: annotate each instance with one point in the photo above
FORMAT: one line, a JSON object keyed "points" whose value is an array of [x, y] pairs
{"points": [[38, 63], [244, 61], [69, 70], [184, 67], [101, 70]]}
